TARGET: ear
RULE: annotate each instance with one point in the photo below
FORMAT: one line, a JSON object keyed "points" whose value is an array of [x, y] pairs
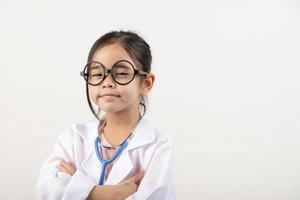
{"points": [[148, 83]]}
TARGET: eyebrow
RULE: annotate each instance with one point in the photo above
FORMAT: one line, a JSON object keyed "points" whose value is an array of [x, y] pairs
{"points": [[122, 65], [92, 67]]}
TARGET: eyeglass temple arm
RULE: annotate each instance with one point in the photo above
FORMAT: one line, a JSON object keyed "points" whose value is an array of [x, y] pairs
{"points": [[82, 73], [138, 71]]}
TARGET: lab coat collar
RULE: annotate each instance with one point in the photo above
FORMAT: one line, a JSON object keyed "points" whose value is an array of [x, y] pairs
{"points": [[143, 134]]}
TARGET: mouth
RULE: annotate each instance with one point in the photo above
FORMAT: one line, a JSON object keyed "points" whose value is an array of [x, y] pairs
{"points": [[109, 95]]}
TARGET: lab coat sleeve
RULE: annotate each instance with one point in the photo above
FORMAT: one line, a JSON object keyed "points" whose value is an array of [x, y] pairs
{"points": [[55, 185], [158, 182]]}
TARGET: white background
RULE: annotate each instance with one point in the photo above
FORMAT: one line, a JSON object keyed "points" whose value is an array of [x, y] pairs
{"points": [[227, 89]]}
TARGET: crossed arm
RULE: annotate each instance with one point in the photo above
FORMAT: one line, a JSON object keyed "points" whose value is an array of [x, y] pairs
{"points": [[106, 192]]}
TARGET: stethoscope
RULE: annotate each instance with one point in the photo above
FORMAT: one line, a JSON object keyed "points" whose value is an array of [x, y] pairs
{"points": [[121, 147]]}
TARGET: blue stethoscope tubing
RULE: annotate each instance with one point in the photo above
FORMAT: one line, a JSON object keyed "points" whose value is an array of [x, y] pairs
{"points": [[115, 156], [106, 162]]}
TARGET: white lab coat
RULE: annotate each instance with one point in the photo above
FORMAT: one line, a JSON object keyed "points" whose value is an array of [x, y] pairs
{"points": [[148, 149]]}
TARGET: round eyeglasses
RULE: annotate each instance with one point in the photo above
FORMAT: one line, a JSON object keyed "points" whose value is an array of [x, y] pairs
{"points": [[122, 72]]}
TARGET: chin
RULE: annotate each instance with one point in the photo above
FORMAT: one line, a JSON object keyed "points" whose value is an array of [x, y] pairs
{"points": [[110, 109]]}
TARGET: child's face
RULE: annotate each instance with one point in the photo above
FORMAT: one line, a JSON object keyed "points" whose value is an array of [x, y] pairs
{"points": [[124, 97]]}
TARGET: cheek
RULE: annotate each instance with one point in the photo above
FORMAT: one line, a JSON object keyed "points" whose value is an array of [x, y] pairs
{"points": [[93, 92], [131, 94]]}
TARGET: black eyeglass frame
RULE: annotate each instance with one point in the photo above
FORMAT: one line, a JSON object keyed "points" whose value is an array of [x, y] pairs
{"points": [[109, 71]]}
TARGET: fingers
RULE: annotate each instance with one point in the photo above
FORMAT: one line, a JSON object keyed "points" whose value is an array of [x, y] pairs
{"points": [[138, 177], [66, 167], [69, 166], [129, 186]]}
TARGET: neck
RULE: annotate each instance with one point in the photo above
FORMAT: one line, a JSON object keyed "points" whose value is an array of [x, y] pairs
{"points": [[122, 119], [119, 126]]}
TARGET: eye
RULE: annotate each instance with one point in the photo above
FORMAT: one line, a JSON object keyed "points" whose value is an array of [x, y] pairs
{"points": [[121, 74], [121, 71], [96, 76], [100, 75]]}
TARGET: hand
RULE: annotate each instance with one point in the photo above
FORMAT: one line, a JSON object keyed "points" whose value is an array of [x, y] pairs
{"points": [[136, 179], [130, 186], [117, 192], [66, 167]]}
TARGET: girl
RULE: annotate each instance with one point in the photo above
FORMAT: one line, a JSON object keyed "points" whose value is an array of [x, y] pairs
{"points": [[120, 155]]}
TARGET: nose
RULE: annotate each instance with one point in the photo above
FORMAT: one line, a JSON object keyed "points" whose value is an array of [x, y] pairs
{"points": [[108, 82]]}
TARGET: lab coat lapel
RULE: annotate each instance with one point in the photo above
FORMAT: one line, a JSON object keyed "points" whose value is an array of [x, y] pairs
{"points": [[143, 134], [120, 169], [124, 167], [90, 164]]}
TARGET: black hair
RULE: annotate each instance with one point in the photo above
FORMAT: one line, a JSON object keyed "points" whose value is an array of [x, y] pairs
{"points": [[134, 45]]}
